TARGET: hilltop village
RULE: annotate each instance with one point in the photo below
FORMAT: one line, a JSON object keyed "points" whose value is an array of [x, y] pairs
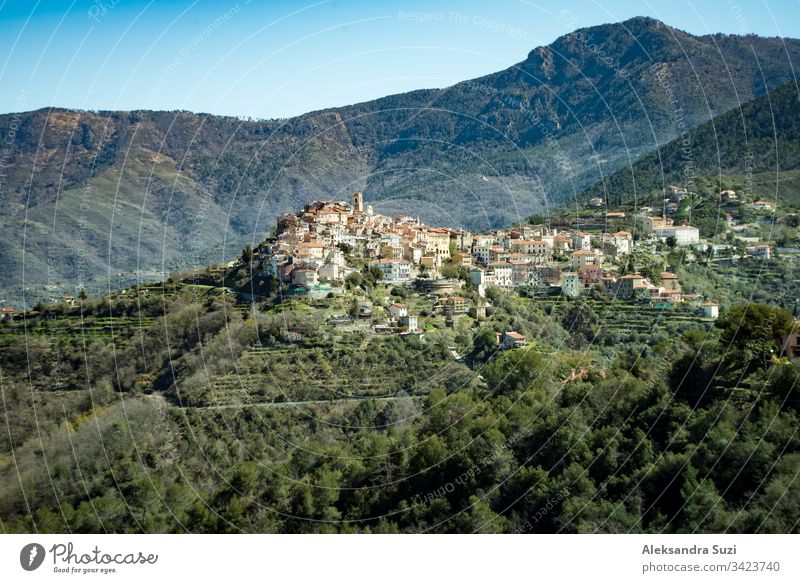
{"points": [[632, 267], [614, 271], [330, 245]]}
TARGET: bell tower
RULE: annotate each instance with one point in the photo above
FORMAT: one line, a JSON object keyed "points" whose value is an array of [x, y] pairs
{"points": [[358, 203]]}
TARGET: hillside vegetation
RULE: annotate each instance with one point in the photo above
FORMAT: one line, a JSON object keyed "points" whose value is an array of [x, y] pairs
{"points": [[755, 147], [177, 410]]}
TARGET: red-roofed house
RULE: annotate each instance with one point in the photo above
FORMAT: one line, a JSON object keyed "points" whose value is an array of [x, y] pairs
{"points": [[511, 340]]}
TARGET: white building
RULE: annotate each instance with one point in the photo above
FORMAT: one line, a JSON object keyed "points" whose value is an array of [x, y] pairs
{"points": [[582, 241], [409, 322], [398, 310], [683, 234], [329, 271], [503, 273], [709, 310], [511, 339], [394, 270]]}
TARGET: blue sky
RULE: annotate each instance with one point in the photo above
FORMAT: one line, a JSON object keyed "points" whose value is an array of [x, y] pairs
{"points": [[281, 58]]}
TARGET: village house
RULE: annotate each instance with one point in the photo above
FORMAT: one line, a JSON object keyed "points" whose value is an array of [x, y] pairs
{"points": [[709, 310], [477, 276], [498, 253], [392, 252], [329, 271], [596, 202], [628, 284], [537, 250], [548, 274], [561, 243], [790, 347], [430, 262], [482, 253], [582, 241], [394, 270], [511, 339], [570, 284], [463, 258], [438, 242], [763, 250], [398, 310], [623, 242], [590, 275], [305, 277], [6, 314], [453, 305], [651, 224], [762, 205], [669, 281], [478, 313], [502, 272], [409, 322], [580, 258], [683, 234], [523, 273], [462, 240]]}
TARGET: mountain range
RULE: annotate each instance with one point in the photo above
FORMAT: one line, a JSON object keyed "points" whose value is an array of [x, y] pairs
{"points": [[101, 198]]}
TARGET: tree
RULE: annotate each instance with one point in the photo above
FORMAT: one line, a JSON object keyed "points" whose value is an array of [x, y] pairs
{"points": [[756, 328], [373, 274], [518, 370], [484, 344], [536, 220], [247, 255], [354, 280], [581, 321]]}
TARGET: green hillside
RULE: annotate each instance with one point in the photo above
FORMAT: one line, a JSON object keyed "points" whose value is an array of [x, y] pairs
{"points": [[175, 409], [755, 148]]}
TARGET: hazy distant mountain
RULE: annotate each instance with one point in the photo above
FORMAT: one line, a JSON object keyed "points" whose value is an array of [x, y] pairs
{"points": [[112, 192]]}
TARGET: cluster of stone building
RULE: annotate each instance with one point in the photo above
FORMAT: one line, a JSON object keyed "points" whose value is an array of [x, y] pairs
{"points": [[322, 243]]}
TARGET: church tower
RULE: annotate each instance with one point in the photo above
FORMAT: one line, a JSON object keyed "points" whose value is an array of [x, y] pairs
{"points": [[358, 203]]}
